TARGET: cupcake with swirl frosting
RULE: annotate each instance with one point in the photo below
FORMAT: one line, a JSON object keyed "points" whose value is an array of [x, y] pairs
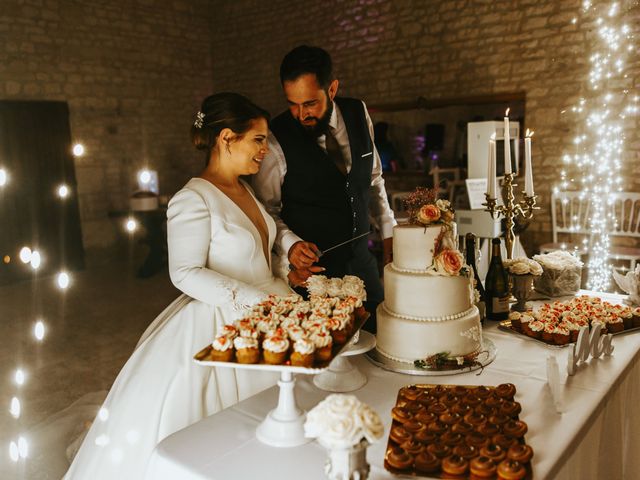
{"points": [[536, 327], [614, 323], [303, 353], [339, 328], [515, 317], [323, 343], [275, 348], [627, 317], [246, 349], [222, 349]]}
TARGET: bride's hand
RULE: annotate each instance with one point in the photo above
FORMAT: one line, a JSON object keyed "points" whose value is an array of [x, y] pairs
{"points": [[299, 276], [303, 254]]}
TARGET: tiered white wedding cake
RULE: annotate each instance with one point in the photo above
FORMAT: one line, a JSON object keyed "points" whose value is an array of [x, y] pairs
{"points": [[429, 295]]}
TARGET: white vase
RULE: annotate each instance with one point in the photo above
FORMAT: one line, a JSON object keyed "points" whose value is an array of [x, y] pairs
{"points": [[347, 463]]}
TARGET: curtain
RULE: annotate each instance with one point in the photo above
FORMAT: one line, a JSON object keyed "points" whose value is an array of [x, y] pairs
{"points": [[35, 151]]}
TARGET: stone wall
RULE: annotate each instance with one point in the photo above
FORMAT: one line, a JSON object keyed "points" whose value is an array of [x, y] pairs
{"points": [[133, 74], [388, 51]]}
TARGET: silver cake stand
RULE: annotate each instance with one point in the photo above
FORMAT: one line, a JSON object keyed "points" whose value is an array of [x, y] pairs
{"points": [[486, 356]]}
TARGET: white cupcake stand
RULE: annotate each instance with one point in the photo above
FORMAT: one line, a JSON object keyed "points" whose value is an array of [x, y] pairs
{"points": [[284, 425]]}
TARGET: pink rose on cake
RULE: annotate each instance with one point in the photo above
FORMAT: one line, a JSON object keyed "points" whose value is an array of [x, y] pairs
{"points": [[428, 214], [449, 261]]}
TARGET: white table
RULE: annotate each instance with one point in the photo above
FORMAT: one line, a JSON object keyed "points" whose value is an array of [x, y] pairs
{"points": [[593, 438]]}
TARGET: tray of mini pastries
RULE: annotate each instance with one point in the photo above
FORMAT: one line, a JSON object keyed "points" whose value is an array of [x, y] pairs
{"points": [[454, 431], [288, 333], [557, 324]]}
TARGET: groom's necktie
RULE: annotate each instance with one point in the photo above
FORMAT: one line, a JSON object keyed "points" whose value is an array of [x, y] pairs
{"points": [[334, 152]]}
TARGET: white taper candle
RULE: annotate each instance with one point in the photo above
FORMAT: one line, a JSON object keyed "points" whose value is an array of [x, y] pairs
{"points": [[507, 144], [491, 175], [528, 171]]}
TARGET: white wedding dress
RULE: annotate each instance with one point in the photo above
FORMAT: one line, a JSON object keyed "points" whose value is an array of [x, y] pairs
{"points": [[216, 258]]}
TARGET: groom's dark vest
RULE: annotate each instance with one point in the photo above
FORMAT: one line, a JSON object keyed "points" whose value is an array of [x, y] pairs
{"points": [[319, 203]]}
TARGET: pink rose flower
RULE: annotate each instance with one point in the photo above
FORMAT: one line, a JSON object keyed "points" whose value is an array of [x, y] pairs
{"points": [[428, 214], [449, 261]]}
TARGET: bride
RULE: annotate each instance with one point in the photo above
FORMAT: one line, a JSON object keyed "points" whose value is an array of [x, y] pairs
{"points": [[220, 239]]}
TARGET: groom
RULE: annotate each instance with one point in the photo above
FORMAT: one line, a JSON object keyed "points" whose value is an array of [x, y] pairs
{"points": [[322, 176]]}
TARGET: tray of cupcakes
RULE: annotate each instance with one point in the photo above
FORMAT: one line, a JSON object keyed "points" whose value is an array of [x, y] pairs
{"points": [[454, 431], [557, 324], [287, 332]]}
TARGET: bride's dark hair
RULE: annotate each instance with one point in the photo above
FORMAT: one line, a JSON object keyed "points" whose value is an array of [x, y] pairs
{"points": [[220, 111]]}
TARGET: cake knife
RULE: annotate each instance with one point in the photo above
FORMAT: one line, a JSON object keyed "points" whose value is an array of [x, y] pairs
{"points": [[320, 253]]}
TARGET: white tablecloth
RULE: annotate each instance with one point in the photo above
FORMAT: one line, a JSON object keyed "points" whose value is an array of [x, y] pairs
{"points": [[593, 438]]}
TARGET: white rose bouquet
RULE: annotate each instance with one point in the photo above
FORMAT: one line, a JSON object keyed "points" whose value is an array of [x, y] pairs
{"points": [[342, 421], [522, 266]]}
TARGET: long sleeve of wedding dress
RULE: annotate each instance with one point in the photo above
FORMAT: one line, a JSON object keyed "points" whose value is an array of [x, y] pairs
{"points": [[188, 236]]}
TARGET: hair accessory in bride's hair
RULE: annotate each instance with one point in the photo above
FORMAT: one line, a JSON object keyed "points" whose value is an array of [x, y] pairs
{"points": [[199, 122]]}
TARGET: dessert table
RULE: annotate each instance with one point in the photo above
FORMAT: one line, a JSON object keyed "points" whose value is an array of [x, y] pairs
{"points": [[592, 438]]}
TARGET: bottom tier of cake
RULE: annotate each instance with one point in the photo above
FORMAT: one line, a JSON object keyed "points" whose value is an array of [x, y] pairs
{"points": [[405, 339]]}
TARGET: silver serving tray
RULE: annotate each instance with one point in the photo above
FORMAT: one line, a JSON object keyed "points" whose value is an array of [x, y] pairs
{"points": [[484, 359], [505, 326]]}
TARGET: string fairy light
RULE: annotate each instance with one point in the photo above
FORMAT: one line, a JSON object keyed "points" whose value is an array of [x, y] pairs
{"points": [[599, 150], [63, 191], [14, 454], [63, 280], [35, 259], [15, 409], [25, 254], [19, 377], [131, 225], [23, 447], [144, 176], [39, 330], [78, 150]]}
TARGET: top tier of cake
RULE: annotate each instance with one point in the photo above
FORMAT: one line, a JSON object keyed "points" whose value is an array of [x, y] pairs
{"points": [[413, 245]]}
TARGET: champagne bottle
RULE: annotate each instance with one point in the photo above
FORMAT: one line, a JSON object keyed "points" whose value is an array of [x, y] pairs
{"points": [[470, 247], [497, 286]]}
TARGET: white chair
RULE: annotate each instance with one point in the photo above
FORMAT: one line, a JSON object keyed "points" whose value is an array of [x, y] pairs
{"points": [[570, 212], [626, 210], [570, 216]]}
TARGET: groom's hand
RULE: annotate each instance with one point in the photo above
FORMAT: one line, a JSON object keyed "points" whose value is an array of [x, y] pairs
{"points": [[302, 255]]}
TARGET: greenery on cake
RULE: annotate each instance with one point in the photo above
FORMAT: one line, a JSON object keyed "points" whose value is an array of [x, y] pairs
{"points": [[444, 361]]}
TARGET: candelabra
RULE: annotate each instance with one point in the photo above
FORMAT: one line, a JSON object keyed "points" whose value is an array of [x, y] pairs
{"points": [[510, 210]]}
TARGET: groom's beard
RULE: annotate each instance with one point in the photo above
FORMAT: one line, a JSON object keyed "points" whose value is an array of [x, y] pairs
{"points": [[322, 124]]}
